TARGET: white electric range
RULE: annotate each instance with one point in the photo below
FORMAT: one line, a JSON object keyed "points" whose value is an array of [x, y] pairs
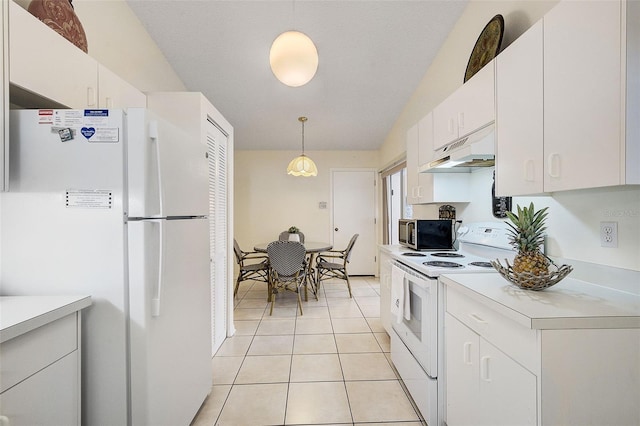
{"points": [[417, 307], [478, 242]]}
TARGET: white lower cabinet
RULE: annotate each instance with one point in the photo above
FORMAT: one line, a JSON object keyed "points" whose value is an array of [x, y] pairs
{"points": [[50, 397], [506, 367], [485, 386], [40, 351], [384, 260]]}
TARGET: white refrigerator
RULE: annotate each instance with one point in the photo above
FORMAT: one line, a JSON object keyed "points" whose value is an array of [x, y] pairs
{"points": [[114, 204]]}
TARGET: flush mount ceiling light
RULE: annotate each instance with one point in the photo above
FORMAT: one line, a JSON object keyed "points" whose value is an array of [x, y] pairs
{"points": [[302, 165], [293, 58]]}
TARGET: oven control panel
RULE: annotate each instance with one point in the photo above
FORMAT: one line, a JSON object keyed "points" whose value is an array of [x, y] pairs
{"points": [[492, 234]]}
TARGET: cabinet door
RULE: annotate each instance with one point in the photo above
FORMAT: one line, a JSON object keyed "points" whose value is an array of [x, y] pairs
{"points": [[519, 125], [582, 95], [462, 373], [114, 92], [508, 390], [445, 122], [385, 290], [413, 184], [44, 62], [476, 101], [425, 154]]}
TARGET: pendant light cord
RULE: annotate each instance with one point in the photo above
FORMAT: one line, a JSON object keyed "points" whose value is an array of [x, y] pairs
{"points": [[302, 120]]}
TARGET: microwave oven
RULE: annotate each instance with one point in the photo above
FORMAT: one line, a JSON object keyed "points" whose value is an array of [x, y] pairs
{"points": [[421, 234]]}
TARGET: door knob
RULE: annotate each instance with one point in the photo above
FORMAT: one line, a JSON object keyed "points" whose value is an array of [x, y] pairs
{"points": [[335, 229]]}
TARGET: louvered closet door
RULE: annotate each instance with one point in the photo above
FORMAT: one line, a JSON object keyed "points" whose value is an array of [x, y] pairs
{"points": [[217, 149]]}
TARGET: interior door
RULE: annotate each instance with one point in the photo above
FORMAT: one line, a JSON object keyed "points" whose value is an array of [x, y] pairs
{"points": [[217, 153], [354, 212]]}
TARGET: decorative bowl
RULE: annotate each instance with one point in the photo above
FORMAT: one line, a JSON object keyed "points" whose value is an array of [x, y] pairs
{"points": [[529, 281]]}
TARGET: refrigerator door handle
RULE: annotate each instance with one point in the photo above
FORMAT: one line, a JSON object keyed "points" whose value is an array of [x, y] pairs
{"points": [[155, 302], [153, 134]]}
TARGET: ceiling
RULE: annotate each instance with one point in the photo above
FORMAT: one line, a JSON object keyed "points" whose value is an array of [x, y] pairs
{"points": [[372, 56]]}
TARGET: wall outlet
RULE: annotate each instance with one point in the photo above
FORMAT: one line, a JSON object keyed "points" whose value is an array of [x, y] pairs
{"points": [[609, 234]]}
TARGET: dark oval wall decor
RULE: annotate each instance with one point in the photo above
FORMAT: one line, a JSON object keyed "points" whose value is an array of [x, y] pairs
{"points": [[60, 16], [487, 46]]}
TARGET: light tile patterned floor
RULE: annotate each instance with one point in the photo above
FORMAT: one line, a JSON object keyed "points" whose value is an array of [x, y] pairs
{"points": [[330, 366]]}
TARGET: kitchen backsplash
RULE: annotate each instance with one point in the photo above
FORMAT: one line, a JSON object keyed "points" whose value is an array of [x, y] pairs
{"points": [[573, 223]]}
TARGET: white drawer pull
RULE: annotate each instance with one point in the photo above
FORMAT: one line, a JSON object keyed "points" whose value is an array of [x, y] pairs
{"points": [[484, 368], [477, 319]]}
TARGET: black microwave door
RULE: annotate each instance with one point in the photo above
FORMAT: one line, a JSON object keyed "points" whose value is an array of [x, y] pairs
{"points": [[435, 234]]}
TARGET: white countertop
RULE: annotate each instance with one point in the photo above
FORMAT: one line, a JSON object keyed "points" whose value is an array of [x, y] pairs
{"points": [[571, 303], [21, 314]]}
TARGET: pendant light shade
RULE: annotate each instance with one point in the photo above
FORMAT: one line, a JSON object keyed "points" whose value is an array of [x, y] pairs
{"points": [[302, 165], [293, 58]]}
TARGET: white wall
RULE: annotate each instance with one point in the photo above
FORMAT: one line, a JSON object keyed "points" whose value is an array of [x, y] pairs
{"points": [[268, 201], [573, 224], [574, 216], [117, 39]]}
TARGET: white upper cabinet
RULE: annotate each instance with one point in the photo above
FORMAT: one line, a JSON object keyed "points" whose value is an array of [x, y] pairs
{"points": [[468, 109], [114, 92], [590, 90], [567, 101], [519, 116], [425, 188], [413, 184], [46, 64], [43, 62]]}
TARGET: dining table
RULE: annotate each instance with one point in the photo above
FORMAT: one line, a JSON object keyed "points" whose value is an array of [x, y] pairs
{"points": [[312, 248]]}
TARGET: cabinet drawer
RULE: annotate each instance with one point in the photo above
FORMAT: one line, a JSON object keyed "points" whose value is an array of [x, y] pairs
{"points": [[29, 353], [513, 339], [50, 397], [423, 389]]}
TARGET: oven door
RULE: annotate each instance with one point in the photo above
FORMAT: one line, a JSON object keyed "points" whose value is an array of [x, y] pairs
{"points": [[417, 328]]}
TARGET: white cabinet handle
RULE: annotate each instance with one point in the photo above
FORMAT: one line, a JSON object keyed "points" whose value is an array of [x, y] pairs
{"points": [[450, 126], [108, 103], [484, 368], [461, 120], [91, 97], [529, 170], [554, 165], [466, 356], [477, 319]]}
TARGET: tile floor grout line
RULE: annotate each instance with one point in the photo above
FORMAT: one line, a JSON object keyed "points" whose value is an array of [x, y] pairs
{"points": [[326, 302]]}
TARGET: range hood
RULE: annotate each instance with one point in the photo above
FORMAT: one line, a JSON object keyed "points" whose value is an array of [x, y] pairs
{"points": [[464, 154]]}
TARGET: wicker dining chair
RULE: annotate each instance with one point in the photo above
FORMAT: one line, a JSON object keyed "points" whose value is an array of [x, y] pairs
{"points": [[333, 264], [252, 265], [288, 268]]}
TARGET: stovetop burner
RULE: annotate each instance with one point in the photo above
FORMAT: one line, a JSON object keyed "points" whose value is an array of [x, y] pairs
{"points": [[447, 254], [411, 254], [443, 264], [482, 264]]}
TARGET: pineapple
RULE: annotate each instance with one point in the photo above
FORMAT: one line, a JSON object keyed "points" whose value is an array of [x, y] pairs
{"points": [[527, 235]]}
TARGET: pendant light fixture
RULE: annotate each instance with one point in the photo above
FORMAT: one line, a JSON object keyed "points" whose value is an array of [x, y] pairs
{"points": [[302, 165], [293, 57]]}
